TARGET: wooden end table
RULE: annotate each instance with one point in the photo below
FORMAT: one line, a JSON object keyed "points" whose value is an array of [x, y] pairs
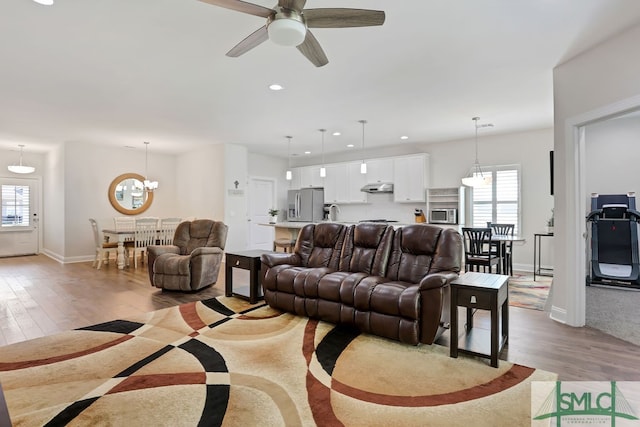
{"points": [[247, 260], [482, 291]]}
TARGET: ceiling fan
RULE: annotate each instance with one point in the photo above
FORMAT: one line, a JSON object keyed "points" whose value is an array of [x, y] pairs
{"points": [[288, 23]]}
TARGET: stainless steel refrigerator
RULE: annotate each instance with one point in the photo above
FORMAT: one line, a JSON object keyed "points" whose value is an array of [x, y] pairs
{"points": [[305, 205]]}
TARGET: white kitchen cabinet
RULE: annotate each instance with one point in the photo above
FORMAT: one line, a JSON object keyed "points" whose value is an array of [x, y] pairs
{"points": [[335, 183], [296, 174], [379, 170], [410, 176], [310, 176], [343, 183], [356, 181]]}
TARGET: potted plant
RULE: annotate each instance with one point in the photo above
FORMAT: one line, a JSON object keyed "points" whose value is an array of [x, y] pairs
{"points": [[274, 215], [550, 223]]}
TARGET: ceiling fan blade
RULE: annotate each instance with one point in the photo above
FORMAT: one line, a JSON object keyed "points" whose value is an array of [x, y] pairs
{"points": [[253, 40], [292, 4], [313, 51], [341, 18], [242, 6]]}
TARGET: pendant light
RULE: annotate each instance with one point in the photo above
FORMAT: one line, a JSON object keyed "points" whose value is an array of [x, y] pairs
{"points": [[323, 170], [148, 184], [289, 175], [21, 168], [363, 166], [476, 177]]}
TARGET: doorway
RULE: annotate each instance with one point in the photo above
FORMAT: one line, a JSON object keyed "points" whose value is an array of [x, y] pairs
{"points": [[19, 229], [262, 197]]}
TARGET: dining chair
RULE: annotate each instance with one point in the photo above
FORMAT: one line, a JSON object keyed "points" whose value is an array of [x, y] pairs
{"points": [[167, 229], [504, 230], [103, 249], [124, 223], [145, 234], [477, 242]]}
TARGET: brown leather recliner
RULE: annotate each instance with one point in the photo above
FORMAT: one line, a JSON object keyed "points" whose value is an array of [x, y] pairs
{"points": [[193, 261]]}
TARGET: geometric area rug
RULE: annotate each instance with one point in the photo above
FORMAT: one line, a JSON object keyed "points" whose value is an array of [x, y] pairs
{"points": [[526, 293], [224, 362]]}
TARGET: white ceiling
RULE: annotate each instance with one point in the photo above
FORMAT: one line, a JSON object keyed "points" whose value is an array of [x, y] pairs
{"points": [[126, 71]]}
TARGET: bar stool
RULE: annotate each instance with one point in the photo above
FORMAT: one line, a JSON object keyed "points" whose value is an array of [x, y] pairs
{"points": [[286, 244]]}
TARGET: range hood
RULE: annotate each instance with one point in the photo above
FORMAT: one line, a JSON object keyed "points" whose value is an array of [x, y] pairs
{"points": [[378, 187]]}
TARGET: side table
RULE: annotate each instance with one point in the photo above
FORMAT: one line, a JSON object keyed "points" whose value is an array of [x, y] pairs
{"points": [[247, 260], [482, 291], [537, 255]]}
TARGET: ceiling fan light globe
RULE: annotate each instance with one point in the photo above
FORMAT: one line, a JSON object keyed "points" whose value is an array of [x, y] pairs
{"points": [[287, 32]]}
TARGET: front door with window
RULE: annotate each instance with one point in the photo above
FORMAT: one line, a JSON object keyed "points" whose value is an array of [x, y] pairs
{"points": [[19, 227]]}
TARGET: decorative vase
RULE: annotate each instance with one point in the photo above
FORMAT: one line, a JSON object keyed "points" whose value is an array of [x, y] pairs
{"points": [[550, 229], [274, 219]]}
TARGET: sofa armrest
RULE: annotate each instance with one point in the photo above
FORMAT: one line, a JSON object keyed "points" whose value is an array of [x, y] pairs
{"points": [[157, 250], [437, 280], [271, 260], [205, 250]]}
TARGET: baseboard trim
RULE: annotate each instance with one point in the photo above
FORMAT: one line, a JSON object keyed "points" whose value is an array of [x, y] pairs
{"points": [[558, 314], [67, 260]]}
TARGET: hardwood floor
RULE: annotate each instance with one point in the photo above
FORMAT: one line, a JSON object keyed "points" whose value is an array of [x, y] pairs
{"points": [[39, 297]]}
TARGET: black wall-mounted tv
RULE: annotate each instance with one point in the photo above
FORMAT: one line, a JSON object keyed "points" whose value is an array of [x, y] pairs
{"points": [[551, 172]]}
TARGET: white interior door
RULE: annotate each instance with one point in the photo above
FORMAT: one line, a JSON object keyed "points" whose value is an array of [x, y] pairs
{"points": [[20, 216], [262, 197]]}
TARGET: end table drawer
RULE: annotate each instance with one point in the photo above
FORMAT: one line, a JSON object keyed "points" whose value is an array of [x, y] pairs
{"points": [[474, 299], [239, 262]]}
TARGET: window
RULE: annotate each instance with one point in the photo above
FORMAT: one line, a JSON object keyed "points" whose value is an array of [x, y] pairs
{"points": [[499, 202], [15, 205]]}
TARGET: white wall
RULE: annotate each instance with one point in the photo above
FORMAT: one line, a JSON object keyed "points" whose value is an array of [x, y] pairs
{"points": [[235, 201], [586, 88], [451, 161], [200, 178], [610, 160], [53, 212], [75, 186]]}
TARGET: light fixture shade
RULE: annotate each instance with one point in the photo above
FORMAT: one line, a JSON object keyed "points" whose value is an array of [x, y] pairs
{"points": [[289, 176], [323, 172], [44, 3], [363, 167], [150, 185], [476, 181], [287, 32], [21, 169]]}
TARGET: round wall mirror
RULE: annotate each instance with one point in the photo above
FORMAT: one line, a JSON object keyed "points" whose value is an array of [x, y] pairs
{"points": [[127, 195]]}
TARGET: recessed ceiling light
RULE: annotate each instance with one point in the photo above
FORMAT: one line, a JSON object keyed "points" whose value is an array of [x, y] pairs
{"points": [[44, 2], [349, 145], [276, 87], [404, 137], [336, 134], [307, 152]]}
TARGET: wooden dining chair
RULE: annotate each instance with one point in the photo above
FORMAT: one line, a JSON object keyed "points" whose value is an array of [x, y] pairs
{"points": [[145, 234], [103, 249], [477, 253], [504, 230]]}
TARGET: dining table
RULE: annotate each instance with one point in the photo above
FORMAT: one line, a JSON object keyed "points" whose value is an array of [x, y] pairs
{"points": [[120, 236]]}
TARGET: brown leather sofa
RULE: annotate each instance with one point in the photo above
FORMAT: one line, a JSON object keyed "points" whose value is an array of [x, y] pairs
{"points": [[391, 283], [193, 261]]}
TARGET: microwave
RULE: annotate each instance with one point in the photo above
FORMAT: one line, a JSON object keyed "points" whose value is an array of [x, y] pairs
{"points": [[443, 216]]}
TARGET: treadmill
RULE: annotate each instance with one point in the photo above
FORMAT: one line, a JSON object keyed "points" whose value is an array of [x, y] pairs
{"points": [[613, 236]]}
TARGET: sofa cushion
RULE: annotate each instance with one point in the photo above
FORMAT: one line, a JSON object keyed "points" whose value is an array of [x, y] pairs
{"points": [[366, 248], [320, 245]]}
